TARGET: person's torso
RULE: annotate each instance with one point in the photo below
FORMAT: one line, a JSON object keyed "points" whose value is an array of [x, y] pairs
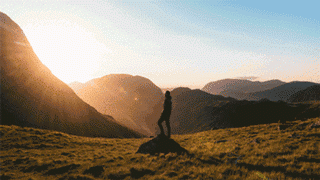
{"points": [[167, 106]]}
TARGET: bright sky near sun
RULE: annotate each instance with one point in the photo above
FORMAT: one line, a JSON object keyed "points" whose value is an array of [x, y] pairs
{"points": [[173, 43]]}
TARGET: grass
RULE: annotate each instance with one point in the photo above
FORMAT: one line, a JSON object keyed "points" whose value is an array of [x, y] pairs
{"points": [[254, 152]]}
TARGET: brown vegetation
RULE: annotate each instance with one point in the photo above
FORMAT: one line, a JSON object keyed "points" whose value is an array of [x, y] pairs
{"points": [[253, 152]]}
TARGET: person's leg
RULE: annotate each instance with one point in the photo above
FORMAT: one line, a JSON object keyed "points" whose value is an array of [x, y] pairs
{"points": [[168, 127], [160, 125]]}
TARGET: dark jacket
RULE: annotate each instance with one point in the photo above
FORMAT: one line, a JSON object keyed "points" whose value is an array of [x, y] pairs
{"points": [[167, 106]]}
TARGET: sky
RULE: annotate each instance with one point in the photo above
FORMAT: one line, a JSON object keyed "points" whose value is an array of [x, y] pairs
{"points": [[173, 43]]}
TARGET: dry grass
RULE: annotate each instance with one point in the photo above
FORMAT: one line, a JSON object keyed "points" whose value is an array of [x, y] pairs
{"points": [[254, 152]]}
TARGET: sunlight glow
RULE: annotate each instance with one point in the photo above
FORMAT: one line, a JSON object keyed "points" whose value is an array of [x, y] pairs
{"points": [[70, 52]]}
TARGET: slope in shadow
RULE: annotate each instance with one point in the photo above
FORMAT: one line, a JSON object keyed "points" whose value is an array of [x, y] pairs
{"points": [[191, 110], [246, 113], [309, 94]]}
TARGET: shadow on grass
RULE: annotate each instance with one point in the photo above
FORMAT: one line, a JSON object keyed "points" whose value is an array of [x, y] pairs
{"points": [[37, 168], [210, 160], [96, 171], [134, 173], [63, 169], [282, 169], [314, 135], [306, 159], [5, 177]]}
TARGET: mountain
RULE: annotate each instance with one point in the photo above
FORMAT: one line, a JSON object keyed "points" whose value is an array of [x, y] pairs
{"points": [[32, 96], [309, 94], [273, 90], [196, 111], [234, 87], [282, 92], [191, 110], [177, 91], [133, 101]]}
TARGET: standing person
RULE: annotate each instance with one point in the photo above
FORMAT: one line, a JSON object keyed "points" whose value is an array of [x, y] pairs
{"points": [[165, 116]]}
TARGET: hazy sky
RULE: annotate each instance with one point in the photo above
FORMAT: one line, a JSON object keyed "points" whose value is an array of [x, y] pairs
{"points": [[173, 43]]}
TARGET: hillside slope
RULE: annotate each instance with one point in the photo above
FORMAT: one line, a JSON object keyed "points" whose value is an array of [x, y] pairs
{"points": [[309, 94], [254, 152], [195, 111], [133, 101], [282, 92], [246, 113], [191, 110], [32, 96]]}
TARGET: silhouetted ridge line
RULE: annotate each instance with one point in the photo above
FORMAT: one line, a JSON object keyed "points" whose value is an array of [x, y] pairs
{"points": [[32, 96]]}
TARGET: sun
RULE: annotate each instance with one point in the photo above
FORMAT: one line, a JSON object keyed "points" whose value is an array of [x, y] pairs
{"points": [[67, 49]]}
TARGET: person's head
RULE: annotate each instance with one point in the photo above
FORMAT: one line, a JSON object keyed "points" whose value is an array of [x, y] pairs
{"points": [[167, 95]]}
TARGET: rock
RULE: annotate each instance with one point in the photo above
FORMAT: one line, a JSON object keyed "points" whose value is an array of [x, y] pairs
{"points": [[161, 144]]}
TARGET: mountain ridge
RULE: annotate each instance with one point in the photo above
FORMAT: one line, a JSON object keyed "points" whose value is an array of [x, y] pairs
{"points": [[32, 96], [246, 86], [134, 101], [282, 92], [239, 89]]}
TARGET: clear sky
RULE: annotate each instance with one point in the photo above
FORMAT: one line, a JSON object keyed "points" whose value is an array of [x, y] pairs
{"points": [[173, 43]]}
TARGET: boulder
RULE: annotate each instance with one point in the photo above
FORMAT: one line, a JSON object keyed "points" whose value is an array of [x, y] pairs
{"points": [[161, 144]]}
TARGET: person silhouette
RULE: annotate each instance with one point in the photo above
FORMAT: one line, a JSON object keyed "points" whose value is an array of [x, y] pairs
{"points": [[165, 115]]}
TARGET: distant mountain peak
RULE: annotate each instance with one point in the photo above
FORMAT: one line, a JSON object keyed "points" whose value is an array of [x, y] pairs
{"points": [[239, 86]]}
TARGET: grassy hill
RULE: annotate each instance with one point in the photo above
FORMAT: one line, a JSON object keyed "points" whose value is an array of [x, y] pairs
{"points": [[254, 152]]}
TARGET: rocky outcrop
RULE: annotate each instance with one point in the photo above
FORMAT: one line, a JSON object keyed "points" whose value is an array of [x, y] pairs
{"points": [[161, 144]]}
